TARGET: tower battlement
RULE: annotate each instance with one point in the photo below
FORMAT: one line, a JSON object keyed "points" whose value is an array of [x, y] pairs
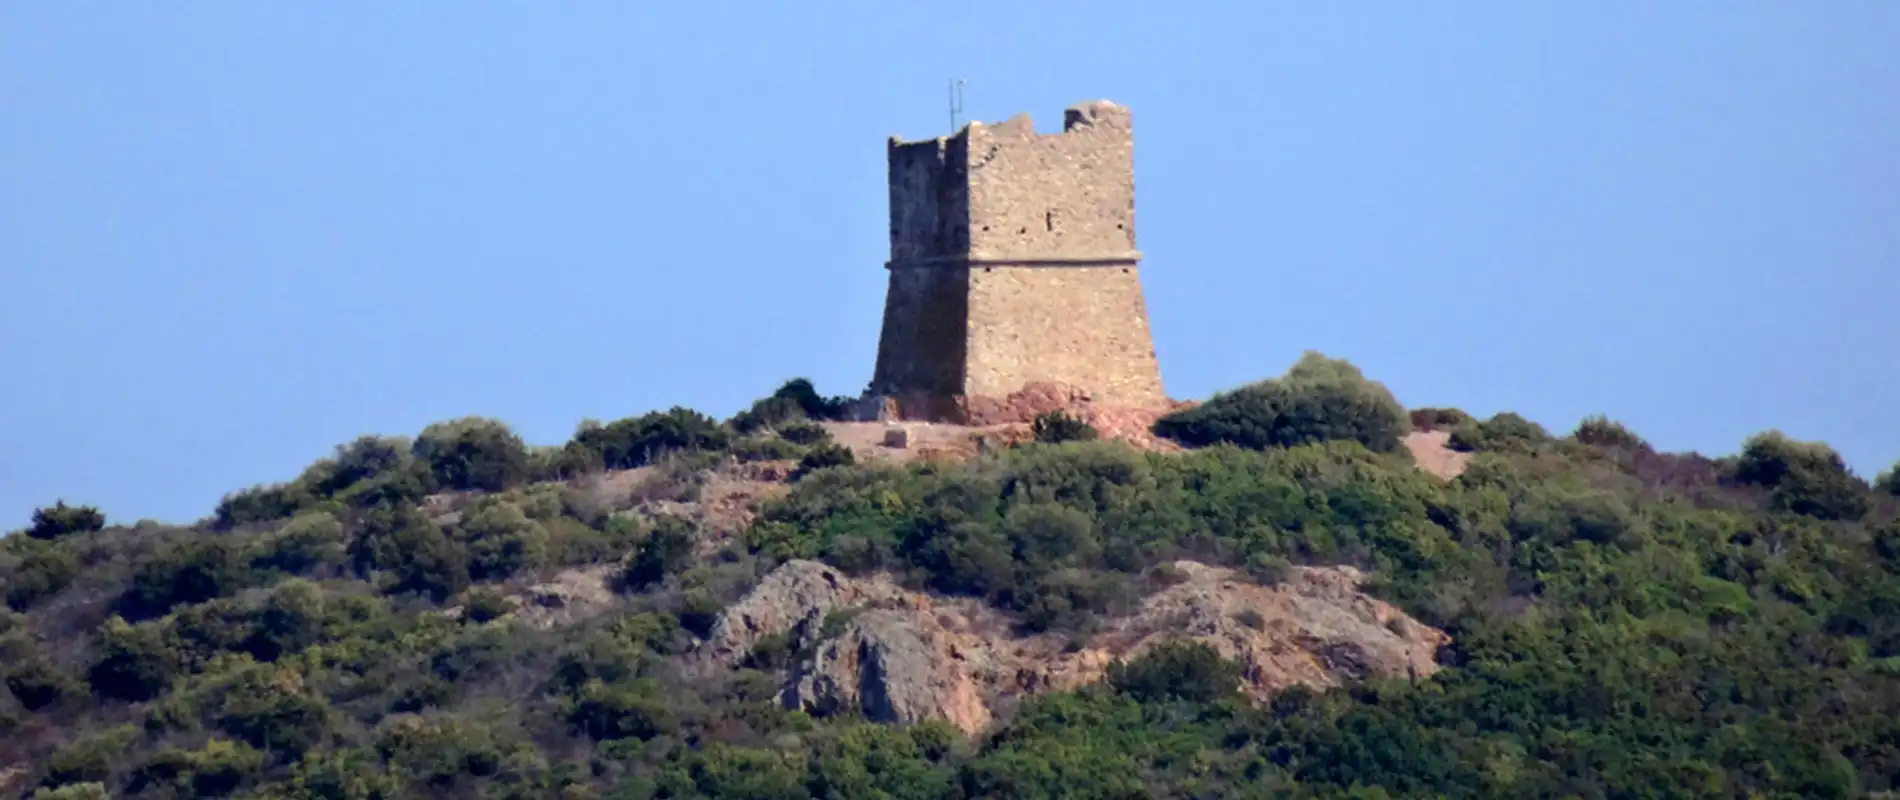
{"points": [[1013, 261]]}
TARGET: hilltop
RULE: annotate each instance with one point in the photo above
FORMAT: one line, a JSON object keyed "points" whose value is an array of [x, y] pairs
{"points": [[1296, 588]]}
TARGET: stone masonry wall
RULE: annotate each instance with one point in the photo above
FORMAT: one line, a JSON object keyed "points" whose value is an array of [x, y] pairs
{"points": [[1082, 326], [1065, 195], [1013, 262], [922, 348], [930, 199]]}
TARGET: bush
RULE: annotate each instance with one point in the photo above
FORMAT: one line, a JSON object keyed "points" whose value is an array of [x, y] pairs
{"points": [[638, 441], [60, 519], [1806, 478], [667, 550], [92, 760], [635, 710], [1503, 432], [823, 456], [1601, 431], [261, 504], [273, 708], [290, 620], [411, 553], [1191, 671], [805, 433], [45, 569], [214, 771], [309, 543], [473, 453], [795, 401], [38, 684], [185, 572], [1889, 481], [1055, 427], [1318, 399], [1435, 419], [502, 541], [761, 448], [483, 604], [135, 662], [362, 459]]}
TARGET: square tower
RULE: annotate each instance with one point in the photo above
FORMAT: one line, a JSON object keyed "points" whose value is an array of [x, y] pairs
{"points": [[1013, 262]]}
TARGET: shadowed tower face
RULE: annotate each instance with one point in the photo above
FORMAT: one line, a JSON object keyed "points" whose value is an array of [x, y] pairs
{"points": [[1013, 261]]}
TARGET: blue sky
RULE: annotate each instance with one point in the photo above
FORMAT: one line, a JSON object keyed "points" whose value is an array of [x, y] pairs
{"points": [[233, 235]]}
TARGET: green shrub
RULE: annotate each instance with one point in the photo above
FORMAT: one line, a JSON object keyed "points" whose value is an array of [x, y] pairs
{"points": [[261, 504], [273, 708], [824, 456], [564, 462], [135, 662], [634, 709], [410, 552], [795, 401], [89, 790], [502, 541], [1186, 671], [60, 519], [1055, 427], [638, 441], [216, 770], [1601, 431], [311, 542], [93, 759], [1503, 432], [45, 569], [473, 453], [437, 752], [666, 551], [362, 459], [483, 604], [1889, 481], [290, 620], [1806, 478], [188, 571], [1436, 419], [37, 683], [1318, 399], [764, 448], [805, 433]]}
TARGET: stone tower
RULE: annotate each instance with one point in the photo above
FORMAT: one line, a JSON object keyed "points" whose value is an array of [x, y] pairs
{"points": [[1013, 262]]}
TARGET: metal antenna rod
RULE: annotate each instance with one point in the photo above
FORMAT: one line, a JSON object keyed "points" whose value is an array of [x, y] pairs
{"points": [[956, 103]]}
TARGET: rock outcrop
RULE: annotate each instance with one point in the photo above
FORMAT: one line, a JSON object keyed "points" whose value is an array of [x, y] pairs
{"points": [[900, 657], [792, 600]]}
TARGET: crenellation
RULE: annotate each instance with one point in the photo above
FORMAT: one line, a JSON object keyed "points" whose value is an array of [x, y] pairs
{"points": [[1013, 261]]}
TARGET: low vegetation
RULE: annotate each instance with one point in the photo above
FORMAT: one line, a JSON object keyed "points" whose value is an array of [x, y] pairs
{"points": [[1625, 622]]}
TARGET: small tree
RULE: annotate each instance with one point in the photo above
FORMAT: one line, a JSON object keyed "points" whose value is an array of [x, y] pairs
{"points": [[1806, 478], [502, 541], [667, 550], [823, 456], [1889, 481], [1601, 431], [638, 441], [1504, 431], [1057, 426], [1318, 399], [473, 453], [60, 519], [1182, 670]]}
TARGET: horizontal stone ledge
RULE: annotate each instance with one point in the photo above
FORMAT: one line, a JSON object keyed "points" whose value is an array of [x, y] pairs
{"points": [[1101, 260]]}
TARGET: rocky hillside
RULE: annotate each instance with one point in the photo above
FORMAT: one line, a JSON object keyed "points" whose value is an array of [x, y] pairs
{"points": [[1297, 588], [896, 656]]}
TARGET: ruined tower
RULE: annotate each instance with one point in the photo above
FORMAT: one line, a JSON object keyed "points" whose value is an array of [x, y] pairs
{"points": [[1012, 262]]}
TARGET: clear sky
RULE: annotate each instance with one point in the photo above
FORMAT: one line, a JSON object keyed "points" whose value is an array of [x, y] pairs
{"points": [[233, 235]]}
